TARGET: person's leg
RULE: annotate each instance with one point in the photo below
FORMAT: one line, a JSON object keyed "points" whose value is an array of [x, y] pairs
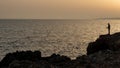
{"points": [[109, 31]]}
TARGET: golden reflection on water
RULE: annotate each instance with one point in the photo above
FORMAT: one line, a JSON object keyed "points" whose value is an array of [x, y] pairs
{"points": [[68, 38]]}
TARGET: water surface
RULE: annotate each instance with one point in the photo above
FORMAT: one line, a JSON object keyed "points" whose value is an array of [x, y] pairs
{"points": [[68, 37]]}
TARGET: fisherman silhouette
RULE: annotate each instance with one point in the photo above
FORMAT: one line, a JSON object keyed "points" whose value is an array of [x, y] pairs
{"points": [[109, 27]]}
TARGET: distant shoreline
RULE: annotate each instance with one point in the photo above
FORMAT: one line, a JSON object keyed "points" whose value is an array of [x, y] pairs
{"points": [[108, 19], [67, 19]]}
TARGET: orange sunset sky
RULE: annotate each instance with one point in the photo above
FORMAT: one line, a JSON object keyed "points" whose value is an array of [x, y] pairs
{"points": [[58, 9]]}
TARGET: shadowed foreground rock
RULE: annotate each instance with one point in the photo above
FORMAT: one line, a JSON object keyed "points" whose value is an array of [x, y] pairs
{"points": [[103, 53], [29, 59]]}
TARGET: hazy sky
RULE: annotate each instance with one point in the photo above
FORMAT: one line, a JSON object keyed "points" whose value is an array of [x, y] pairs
{"points": [[58, 9]]}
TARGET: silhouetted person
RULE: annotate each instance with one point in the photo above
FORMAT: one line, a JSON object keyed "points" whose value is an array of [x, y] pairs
{"points": [[109, 27]]}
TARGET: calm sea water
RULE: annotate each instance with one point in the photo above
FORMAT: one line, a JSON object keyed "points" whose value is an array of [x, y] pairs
{"points": [[68, 38]]}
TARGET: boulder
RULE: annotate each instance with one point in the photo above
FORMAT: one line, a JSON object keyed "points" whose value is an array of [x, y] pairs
{"points": [[23, 55], [105, 42]]}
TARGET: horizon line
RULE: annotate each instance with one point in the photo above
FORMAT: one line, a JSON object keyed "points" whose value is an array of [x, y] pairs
{"points": [[63, 19]]}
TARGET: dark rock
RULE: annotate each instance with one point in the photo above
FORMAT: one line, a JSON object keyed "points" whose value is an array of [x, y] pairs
{"points": [[54, 58], [83, 59], [101, 59], [105, 59], [29, 64], [23, 55], [29, 57], [105, 42]]}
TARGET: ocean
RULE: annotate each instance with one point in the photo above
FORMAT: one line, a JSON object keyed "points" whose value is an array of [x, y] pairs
{"points": [[64, 37]]}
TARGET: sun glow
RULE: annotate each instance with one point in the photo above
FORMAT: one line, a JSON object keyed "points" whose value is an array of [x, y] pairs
{"points": [[58, 8]]}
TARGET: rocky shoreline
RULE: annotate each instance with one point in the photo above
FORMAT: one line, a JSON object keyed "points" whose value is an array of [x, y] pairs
{"points": [[102, 53]]}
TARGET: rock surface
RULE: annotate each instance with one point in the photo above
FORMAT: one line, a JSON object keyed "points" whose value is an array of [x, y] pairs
{"points": [[103, 53], [105, 42]]}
